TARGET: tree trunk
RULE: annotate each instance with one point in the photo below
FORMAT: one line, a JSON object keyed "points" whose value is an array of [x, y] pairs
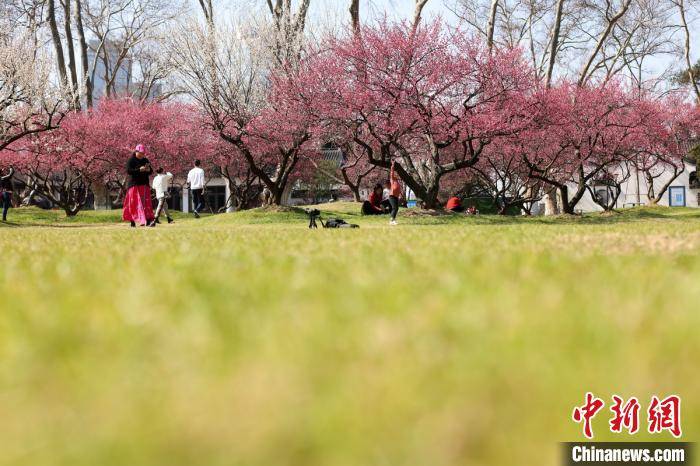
{"points": [[70, 211], [355, 15], [100, 193], [689, 65], [87, 82], [601, 40], [58, 47], [420, 4], [430, 197], [75, 94], [655, 197], [566, 206], [551, 206], [555, 42], [491, 27]]}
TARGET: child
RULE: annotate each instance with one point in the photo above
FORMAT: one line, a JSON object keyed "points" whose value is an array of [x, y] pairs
{"points": [[161, 183]]}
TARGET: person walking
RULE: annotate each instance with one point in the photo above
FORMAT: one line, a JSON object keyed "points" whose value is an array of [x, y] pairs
{"points": [[6, 189], [195, 178], [394, 194], [138, 208], [161, 185]]}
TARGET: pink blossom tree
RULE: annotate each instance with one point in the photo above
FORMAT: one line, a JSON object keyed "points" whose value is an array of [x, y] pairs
{"points": [[582, 132], [505, 177], [244, 186], [259, 106], [428, 98], [354, 169], [93, 146], [273, 140], [670, 127]]}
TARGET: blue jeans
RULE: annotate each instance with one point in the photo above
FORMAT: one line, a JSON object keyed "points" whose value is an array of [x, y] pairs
{"points": [[6, 202], [197, 200]]}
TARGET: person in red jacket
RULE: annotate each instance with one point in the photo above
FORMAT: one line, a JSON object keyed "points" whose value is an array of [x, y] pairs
{"points": [[373, 206], [454, 204], [394, 193]]}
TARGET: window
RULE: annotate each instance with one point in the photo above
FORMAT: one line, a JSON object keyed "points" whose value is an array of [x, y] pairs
{"points": [[676, 196]]}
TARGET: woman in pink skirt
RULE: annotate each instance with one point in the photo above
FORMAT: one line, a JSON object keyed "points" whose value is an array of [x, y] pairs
{"points": [[138, 208]]}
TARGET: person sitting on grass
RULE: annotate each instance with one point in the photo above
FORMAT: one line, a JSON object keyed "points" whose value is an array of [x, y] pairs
{"points": [[161, 184], [373, 205], [472, 210], [454, 204]]}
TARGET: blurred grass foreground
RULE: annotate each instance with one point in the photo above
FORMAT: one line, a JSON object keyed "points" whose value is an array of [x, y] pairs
{"points": [[246, 339]]}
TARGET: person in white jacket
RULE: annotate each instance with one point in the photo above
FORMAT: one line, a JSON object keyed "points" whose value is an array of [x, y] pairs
{"points": [[195, 178], [161, 184]]}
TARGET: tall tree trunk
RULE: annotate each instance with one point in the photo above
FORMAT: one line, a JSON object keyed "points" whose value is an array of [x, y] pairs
{"points": [[491, 27], [420, 4], [74, 88], [355, 15], [58, 47], [689, 65], [551, 206], [566, 206], [555, 42], [87, 81]]}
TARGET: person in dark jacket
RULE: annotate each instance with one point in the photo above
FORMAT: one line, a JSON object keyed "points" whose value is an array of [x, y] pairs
{"points": [[373, 205], [6, 189], [138, 208]]}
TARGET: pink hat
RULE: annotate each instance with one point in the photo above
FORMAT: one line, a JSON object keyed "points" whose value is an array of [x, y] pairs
{"points": [[140, 148]]}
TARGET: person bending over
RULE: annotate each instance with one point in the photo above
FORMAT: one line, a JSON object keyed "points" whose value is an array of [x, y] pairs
{"points": [[454, 204]]}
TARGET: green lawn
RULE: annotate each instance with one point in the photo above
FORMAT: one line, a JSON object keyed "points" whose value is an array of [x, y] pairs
{"points": [[246, 339]]}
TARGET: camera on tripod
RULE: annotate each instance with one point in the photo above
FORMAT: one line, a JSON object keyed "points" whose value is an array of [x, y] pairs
{"points": [[314, 214]]}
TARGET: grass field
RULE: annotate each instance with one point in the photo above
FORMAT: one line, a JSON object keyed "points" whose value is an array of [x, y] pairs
{"points": [[246, 339]]}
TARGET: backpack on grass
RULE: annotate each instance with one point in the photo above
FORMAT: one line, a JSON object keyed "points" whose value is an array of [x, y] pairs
{"points": [[338, 223]]}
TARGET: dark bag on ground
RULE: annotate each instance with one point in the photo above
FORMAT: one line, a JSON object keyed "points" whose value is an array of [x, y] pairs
{"points": [[339, 223]]}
